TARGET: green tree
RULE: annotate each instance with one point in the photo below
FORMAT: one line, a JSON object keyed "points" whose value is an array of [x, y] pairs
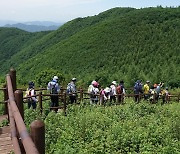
{"points": [[45, 76]]}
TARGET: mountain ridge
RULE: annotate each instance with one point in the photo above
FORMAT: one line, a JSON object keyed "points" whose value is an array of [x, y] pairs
{"points": [[32, 28]]}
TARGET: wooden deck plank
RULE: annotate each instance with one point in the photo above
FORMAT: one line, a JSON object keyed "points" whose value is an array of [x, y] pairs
{"points": [[6, 146]]}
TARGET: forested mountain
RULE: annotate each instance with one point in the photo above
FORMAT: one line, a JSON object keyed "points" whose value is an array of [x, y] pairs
{"points": [[13, 40], [121, 43]]}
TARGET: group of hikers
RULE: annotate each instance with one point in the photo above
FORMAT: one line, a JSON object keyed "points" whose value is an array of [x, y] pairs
{"points": [[113, 93], [116, 92], [53, 88]]}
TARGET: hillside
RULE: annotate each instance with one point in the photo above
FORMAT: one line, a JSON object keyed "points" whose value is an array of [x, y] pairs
{"points": [[13, 40], [121, 43]]}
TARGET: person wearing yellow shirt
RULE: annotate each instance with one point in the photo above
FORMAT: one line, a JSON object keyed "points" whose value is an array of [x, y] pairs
{"points": [[146, 90]]}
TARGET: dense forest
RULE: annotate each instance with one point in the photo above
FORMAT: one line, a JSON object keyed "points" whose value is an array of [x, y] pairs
{"points": [[118, 44]]}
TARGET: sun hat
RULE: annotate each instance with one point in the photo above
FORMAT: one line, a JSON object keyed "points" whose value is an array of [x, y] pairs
{"points": [[107, 89], [73, 79], [114, 82], [55, 78], [96, 84], [93, 82]]}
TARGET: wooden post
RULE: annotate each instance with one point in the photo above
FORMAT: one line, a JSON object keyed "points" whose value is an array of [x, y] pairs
{"points": [[37, 131], [154, 98], [122, 98], [118, 99], [81, 95], [139, 97], [102, 100], [5, 99], [40, 101], [19, 102], [167, 98], [12, 74], [61, 92], [65, 105]]}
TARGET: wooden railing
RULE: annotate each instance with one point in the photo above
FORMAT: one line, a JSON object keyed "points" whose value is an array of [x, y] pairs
{"points": [[23, 142], [84, 95]]}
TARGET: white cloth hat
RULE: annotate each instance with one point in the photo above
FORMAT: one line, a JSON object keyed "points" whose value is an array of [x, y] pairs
{"points": [[55, 78], [107, 89], [114, 82]]}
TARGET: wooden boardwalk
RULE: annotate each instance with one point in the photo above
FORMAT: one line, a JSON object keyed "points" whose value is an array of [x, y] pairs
{"points": [[6, 146]]}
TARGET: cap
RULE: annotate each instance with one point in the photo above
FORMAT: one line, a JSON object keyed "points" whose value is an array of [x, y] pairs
{"points": [[55, 78], [147, 81], [31, 83], [138, 81], [93, 82], [73, 79], [121, 81]]}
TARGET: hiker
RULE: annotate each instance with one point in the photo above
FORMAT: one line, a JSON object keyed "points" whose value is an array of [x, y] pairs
{"points": [[165, 95], [113, 92], [30, 92], [152, 92], [71, 90], [93, 91], [54, 88], [104, 95], [158, 90], [146, 90], [120, 91], [138, 90], [91, 86]]}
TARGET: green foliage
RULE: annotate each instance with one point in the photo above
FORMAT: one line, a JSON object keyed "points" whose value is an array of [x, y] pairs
{"points": [[131, 128], [4, 123], [1, 105], [43, 77], [2, 81], [31, 115]]}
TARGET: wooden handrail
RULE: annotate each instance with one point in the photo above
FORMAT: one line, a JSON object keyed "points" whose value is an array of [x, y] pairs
{"points": [[14, 138], [27, 142]]}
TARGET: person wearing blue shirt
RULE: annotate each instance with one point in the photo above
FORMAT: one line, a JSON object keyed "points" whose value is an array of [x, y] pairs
{"points": [[54, 88]]}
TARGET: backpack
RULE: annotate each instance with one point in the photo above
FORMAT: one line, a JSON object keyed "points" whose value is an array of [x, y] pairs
{"points": [[119, 90], [28, 93], [53, 89], [69, 88], [92, 93], [138, 87]]}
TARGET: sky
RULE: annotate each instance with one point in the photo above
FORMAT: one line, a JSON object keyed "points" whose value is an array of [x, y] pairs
{"points": [[65, 10]]}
